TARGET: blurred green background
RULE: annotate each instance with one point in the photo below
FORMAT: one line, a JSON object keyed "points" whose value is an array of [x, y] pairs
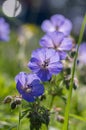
{"points": [[15, 54]]}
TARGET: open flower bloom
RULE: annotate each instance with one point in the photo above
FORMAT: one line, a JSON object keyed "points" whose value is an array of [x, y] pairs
{"points": [[4, 30], [58, 42], [57, 23], [29, 86], [45, 62]]}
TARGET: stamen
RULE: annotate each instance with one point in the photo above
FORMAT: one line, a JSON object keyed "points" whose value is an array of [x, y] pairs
{"points": [[46, 63]]}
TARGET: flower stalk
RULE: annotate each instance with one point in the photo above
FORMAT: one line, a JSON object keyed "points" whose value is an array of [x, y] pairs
{"points": [[19, 123], [67, 109]]}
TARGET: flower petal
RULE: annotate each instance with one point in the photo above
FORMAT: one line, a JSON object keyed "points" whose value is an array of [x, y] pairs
{"points": [[51, 55], [56, 38], [47, 26], [28, 97], [62, 55], [38, 88], [66, 44], [39, 54], [21, 77], [34, 66], [32, 77], [55, 68], [57, 19], [66, 27], [19, 88], [46, 41], [55, 57], [44, 75]]}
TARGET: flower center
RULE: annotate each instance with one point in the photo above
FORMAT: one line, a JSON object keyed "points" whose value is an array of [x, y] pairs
{"points": [[27, 88], [45, 64], [55, 46], [57, 28]]}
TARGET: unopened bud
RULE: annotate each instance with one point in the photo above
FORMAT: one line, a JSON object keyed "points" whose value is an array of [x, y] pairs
{"points": [[7, 99], [68, 71], [76, 83], [43, 97], [60, 118], [13, 105], [17, 101]]}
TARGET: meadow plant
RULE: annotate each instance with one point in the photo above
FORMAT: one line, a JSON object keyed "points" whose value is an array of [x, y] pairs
{"points": [[50, 74]]}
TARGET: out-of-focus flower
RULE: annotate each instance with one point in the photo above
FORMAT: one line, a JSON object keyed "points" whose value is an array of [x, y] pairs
{"points": [[77, 22], [29, 86], [57, 22], [26, 32], [4, 30], [44, 63], [82, 54], [57, 41]]}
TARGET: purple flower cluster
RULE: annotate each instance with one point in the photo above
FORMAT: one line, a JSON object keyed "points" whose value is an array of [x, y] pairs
{"points": [[46, 61], [57, 41], [4, 30]]}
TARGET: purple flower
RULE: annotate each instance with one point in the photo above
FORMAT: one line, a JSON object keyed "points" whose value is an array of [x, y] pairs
{"points": [[28, 85], [4, 30], [82, 54], [57, 23], [44, 63], [57, 41]]}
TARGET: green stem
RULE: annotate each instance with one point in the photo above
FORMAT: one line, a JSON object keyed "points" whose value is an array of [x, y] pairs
{"points": [[51, 103], [78, 117], [19, 123], [67, 109]]}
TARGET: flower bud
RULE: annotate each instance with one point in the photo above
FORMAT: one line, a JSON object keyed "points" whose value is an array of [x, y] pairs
{"points": [[43, 97], [76, 83], [13, 105], [7, 99], [17, 101], [60, 118]]}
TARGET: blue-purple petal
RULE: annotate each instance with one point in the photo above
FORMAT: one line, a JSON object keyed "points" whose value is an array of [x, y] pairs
{"points": [[38, 89], [32, 77], [62, 55], [21, 77], [56, 37], [28, 97], [47, 26], [34, 66], [66, 44], [19, 87], [50, 53], [55, 57], [39, 54], [46, 41], [55, 68], [66, 27], [57, 20], [44, 75]]}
